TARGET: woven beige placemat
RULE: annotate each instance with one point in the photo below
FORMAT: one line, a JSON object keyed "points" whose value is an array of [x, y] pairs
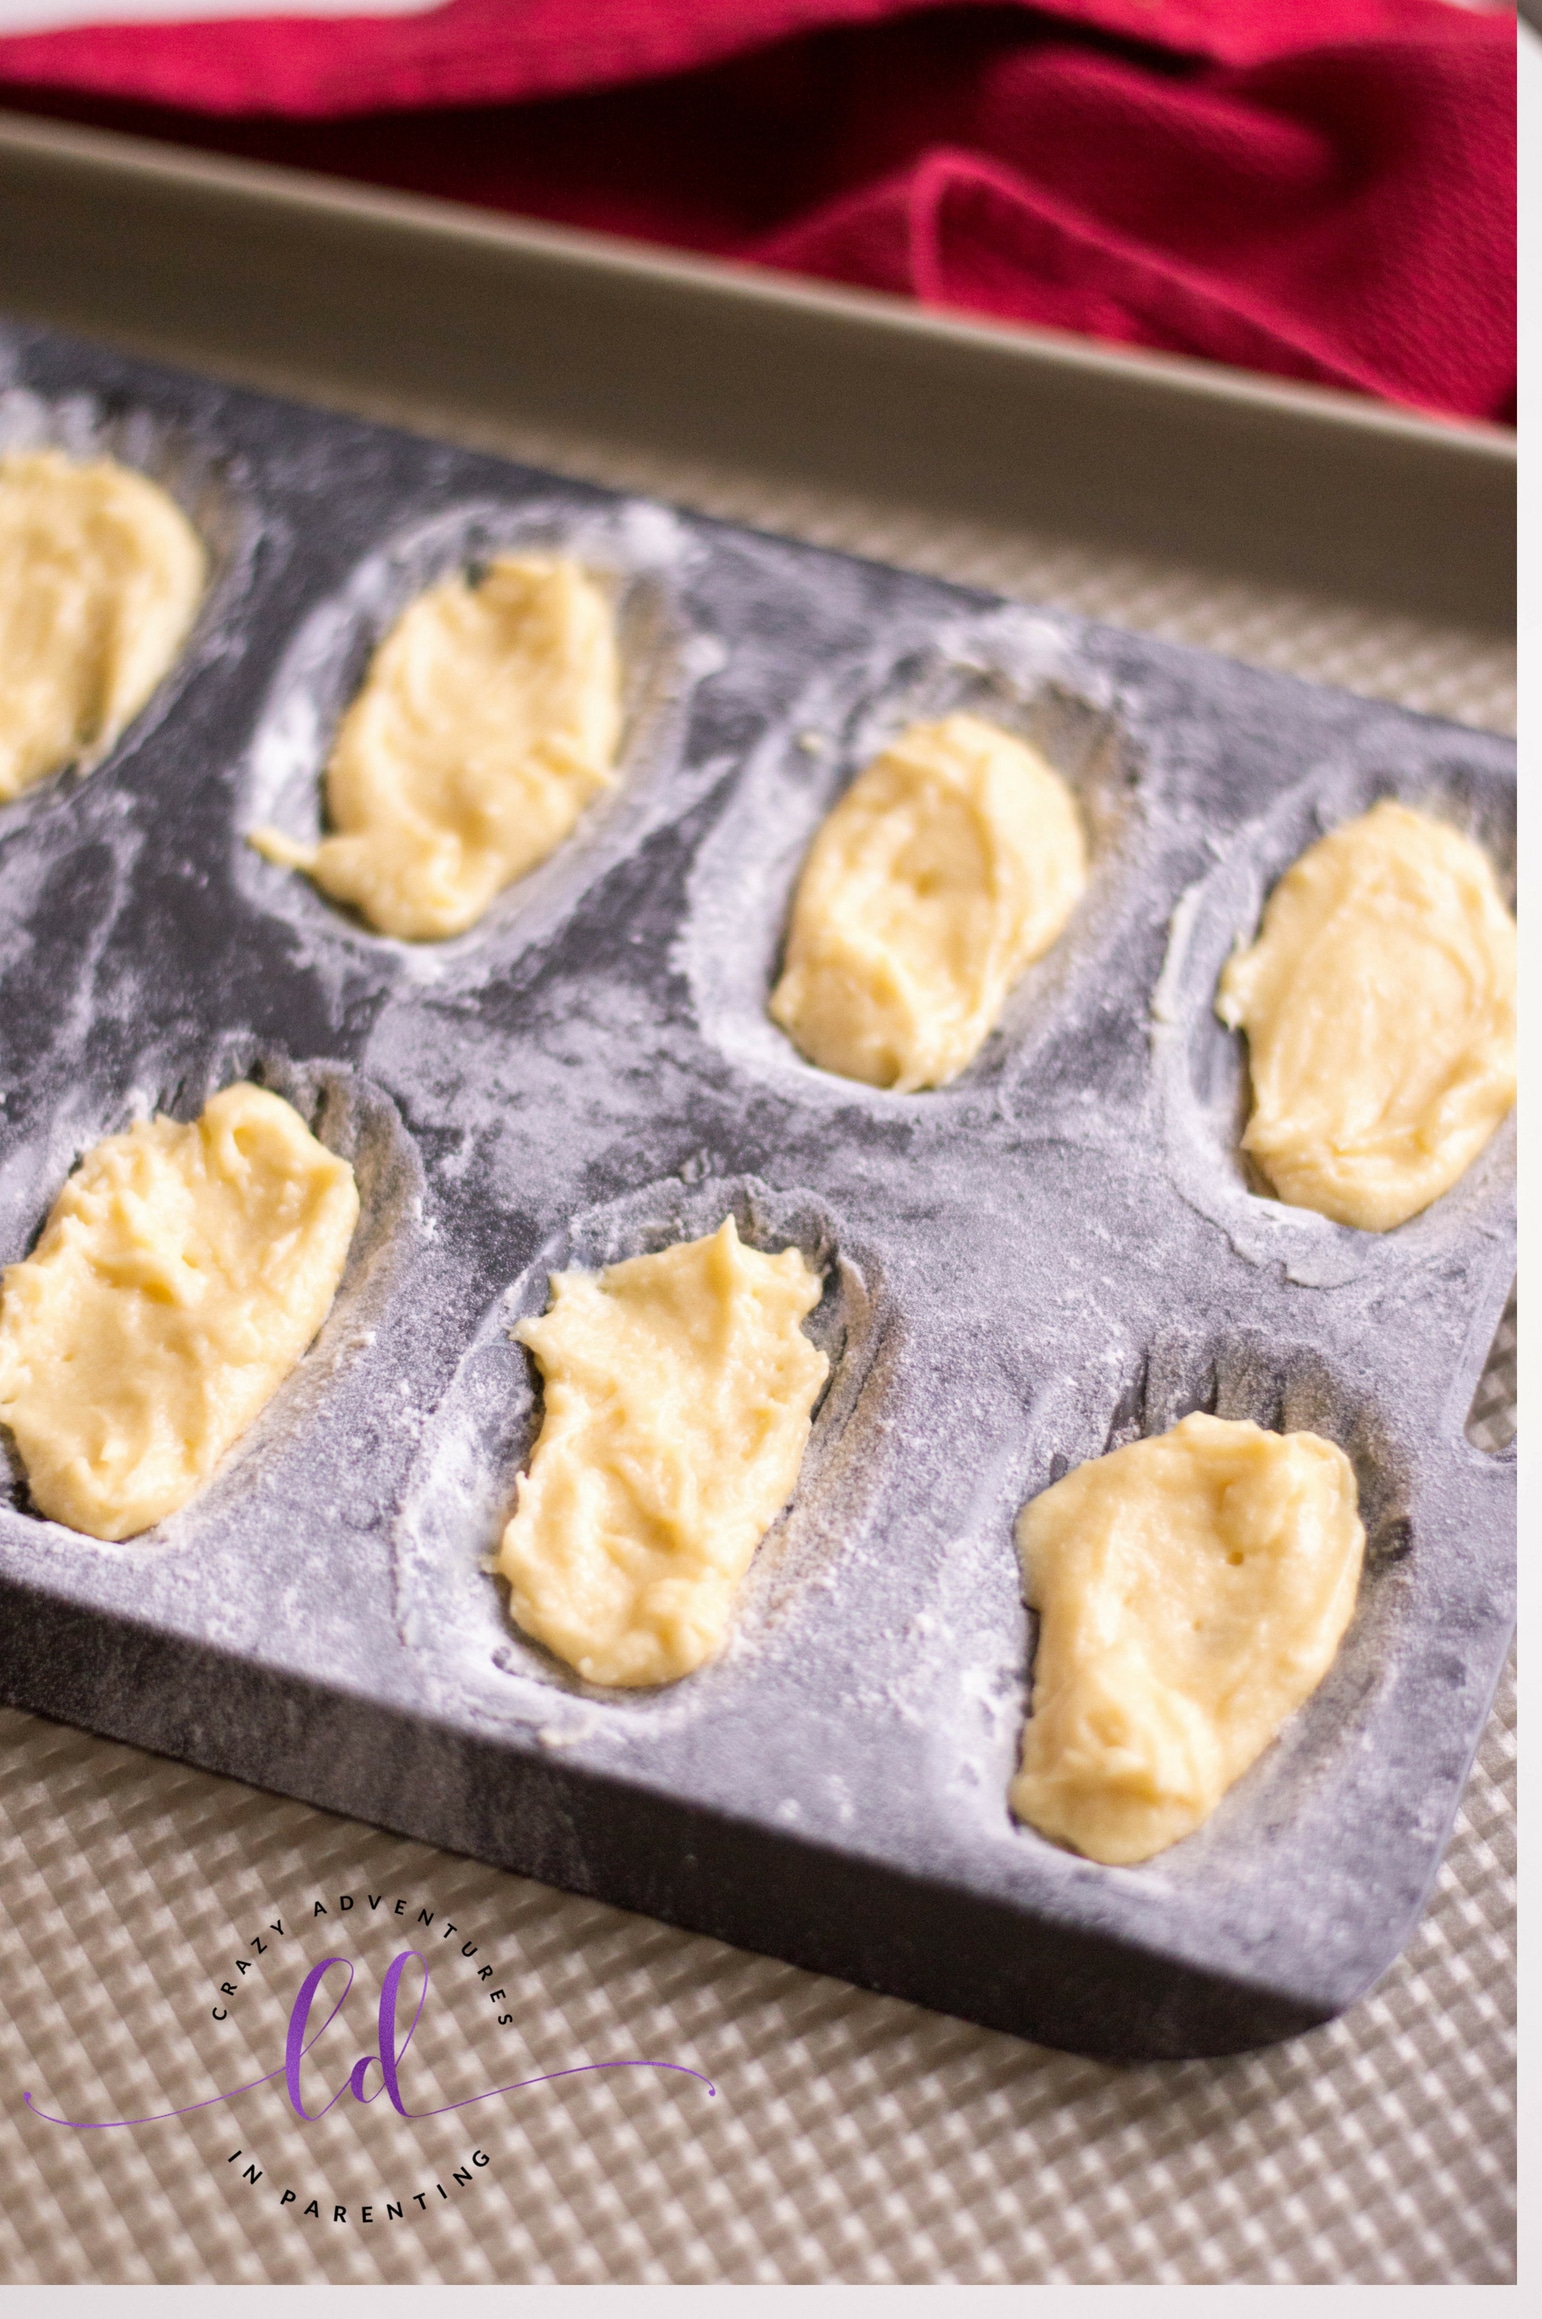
{"points": [[849, 2137]]}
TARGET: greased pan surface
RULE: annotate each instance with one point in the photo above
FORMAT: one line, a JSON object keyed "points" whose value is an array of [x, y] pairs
{"points": [[1059, 1250]]}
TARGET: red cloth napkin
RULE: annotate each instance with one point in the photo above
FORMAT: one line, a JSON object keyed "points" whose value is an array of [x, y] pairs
{"points": [[1319, 188]]}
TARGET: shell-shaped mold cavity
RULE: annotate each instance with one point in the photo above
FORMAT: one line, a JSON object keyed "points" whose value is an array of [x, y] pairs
{"points": [[461, 1492], [1012, 669], [1286, 1388], [215, 495], [1201, 1067], [344, 1112], [641, 555]]}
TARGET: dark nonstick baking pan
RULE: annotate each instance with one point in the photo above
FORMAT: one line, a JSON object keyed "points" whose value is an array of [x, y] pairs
{"points": [[1058, 1251]]}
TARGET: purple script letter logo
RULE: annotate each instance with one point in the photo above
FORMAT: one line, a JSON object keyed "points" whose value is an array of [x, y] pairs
{"points": [[386, 2058]]}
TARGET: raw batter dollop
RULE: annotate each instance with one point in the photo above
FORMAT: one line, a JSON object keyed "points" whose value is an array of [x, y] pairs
{"points": [[1379, 1006], [100, 576], [951, 863], [679, 1389], [180, 1276], [489, 719], [1192, 1590]]}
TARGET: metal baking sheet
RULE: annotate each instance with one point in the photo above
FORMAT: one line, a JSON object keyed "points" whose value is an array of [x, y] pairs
{"points": [[1058, 1251], [859, 417]]}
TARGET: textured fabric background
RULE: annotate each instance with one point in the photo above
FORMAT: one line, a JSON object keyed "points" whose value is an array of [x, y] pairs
{"points": [[1318, 188], [471, 51], [851, 2138]]}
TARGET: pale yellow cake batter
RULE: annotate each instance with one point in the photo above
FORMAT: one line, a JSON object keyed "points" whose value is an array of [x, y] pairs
{"points": [[1379, 1006], [180, 1276], [489, 719], [1192, 1590], [100, 577], [679, 1389], [951, 863]]}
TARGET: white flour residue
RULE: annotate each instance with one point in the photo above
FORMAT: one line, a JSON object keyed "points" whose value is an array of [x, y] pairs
{"points": [[643, 555], [350, 1118], [1200, 1066], [451, 1607], [213, 491], [1016, 669]]}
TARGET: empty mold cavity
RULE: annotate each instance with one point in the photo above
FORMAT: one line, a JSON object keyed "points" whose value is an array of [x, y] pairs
{"points": [[213, 493], [342, 1111], [1202, 1067], [640, 554], [1011, 669], [462, 1489]]}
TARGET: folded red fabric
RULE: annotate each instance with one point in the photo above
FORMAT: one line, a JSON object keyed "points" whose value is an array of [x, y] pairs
{"points": [[1319, 188]]}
